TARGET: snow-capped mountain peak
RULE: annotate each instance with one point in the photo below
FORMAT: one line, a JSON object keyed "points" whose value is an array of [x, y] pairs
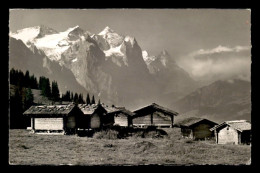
{"points": [[72, 28], [55, 44], [106, 30], [148, 59], [27, 34], [44, 30], [111, 37]]}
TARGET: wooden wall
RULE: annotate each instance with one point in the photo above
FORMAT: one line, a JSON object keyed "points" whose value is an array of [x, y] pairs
{"points": [[157, 119], [227, 135], [71, 122], [202, 131], [48, 123], [161, 119], [95, 121], [142, 120], [121, 120]]}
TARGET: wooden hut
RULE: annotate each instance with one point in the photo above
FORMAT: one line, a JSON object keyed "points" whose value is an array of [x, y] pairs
{"points": [[233, 132], [154, 115], [54, 118], [122, 116], [196, 128], [95, 117]]}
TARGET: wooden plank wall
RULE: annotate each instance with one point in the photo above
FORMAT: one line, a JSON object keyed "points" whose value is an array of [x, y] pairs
{"points": [[95, 121], [161, 119], [48, 123], [121, 120], [202, 131], [71, 122], [142, 120]]}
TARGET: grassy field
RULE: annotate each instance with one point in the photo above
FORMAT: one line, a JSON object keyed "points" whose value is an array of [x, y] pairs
{"points": [[36, 149]]}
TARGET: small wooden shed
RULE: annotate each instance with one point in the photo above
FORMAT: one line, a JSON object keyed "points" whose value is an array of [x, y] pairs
{"points": [[196, 128], [154, 115], [95, 117], [233, 132], [54, 118], [122, 116]]}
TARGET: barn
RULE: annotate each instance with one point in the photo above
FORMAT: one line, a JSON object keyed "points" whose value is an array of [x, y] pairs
{"points": [[95, 116], [233, 132], [154, 115], [196, 128], [60, 119]]}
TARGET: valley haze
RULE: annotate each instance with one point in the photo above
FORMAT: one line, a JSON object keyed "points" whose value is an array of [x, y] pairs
{"points": [[193, 61]]}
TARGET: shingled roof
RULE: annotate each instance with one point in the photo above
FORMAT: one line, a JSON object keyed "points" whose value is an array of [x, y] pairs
{"points": [[240, 125], [117, 110], [50, 110], [188, 122], [153, 108], [122, 110], [89, 109]]}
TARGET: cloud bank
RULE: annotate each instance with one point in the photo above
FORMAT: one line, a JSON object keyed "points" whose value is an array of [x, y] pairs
{"points": [[219, 63]]}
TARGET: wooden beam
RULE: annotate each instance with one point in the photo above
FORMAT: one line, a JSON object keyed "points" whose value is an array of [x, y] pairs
{"points": [[33, 124], [172, 119], [151, 118]]}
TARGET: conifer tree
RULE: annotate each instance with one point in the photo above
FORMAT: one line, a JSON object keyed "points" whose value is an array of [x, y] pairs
{"points": [[55, 93], [81, 101], [28, 101], [93, 100], [27, 79], [88, 99], [16, 109], [71, 97], [76, 98]]}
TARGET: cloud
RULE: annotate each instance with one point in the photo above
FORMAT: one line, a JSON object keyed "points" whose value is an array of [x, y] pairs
{"points": [[220, 49], [218, 63]]}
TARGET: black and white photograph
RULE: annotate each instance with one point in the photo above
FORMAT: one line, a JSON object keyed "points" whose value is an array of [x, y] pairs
{"points": [[129, 87]]}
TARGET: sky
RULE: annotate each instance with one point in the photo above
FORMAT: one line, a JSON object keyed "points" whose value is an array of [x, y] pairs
{"points": [[184, 33]]}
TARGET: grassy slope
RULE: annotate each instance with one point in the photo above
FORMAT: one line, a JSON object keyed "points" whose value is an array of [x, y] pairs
{"points": [[32, 149]]}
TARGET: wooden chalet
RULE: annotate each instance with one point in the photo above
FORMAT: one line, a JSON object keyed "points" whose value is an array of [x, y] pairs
{"points": [[95, 116], [60, 119], [196, 128], [233, 132], [154, 115]]}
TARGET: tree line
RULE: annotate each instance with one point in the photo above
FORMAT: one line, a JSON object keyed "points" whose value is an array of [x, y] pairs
{"points": [[23, 97], [21, 80], [78, 98]]}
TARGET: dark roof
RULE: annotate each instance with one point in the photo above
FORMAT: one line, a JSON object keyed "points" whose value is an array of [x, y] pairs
{"points": [[124, 111], [153, 108], [49, 109], [90, 109], [188, 122], [240, 125]]}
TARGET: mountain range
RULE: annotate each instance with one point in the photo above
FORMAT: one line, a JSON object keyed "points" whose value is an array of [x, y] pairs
{"points": [[109, 65], [222, 100]]}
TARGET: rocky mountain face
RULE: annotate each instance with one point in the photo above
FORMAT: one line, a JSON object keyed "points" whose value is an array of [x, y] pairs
{"points": [[107, 64], [174, 81], [219, 101], [34, 60]]}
